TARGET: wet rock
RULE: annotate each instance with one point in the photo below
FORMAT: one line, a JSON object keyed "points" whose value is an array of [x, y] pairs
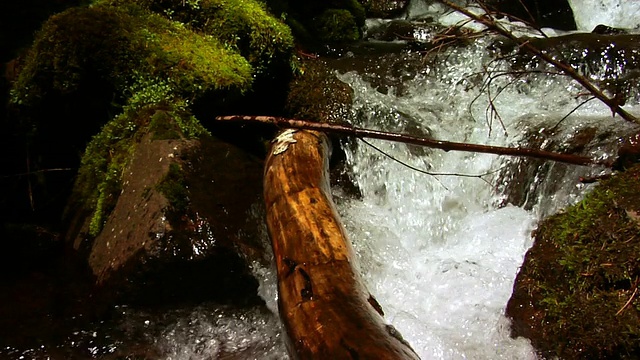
{"points": [[542, 13], [392, 30], [185, 214], [526, 181], [386, 69], [385, 8], [629, 152], [611, 61], [423, 33], [608, 30], [575, 296]]}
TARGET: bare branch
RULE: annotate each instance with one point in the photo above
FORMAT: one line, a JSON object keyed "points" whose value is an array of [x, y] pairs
{"points": [[409, 139], [612, 103]]}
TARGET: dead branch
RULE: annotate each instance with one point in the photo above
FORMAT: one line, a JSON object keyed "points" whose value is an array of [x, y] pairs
{"points": [[612, 103], [409, 139]]}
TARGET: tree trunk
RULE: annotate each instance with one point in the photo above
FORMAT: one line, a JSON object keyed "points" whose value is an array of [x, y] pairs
{"points": [[326, 309]]}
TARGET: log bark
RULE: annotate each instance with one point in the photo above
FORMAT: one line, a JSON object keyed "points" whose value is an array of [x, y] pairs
{"points": [[325, 307]]}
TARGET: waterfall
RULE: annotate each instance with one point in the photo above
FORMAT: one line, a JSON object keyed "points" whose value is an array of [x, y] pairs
{"points": [[615, 13], [439, 250]]}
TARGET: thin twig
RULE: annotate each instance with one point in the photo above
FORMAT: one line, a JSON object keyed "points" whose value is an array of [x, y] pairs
{"points": [[628, 302], [523, 43], [434, 174], [409, 139], [571, 112], [403, 163]]}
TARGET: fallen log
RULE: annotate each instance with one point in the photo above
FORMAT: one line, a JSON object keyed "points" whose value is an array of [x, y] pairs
{"points": [[325, 307]]}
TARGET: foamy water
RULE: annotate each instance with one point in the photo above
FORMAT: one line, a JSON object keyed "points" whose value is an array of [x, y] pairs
{"points": [[440, 253]]}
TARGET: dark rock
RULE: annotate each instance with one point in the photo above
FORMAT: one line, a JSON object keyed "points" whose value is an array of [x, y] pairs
{"points": [[575, 294], [541, 13], [608, 30], [44, 288], [384, 8], [185, 210], [629, 152], [530, 182], [314, 23], [610, 61], [382, 65]]}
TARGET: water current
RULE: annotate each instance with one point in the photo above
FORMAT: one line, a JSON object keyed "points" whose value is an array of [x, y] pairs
{"points": [[439, 252]]}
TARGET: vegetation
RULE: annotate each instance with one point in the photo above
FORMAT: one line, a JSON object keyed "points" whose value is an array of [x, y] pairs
{"points": [[317, 24], [174, 188], [137, 57], [582, 275], [337, 26]]}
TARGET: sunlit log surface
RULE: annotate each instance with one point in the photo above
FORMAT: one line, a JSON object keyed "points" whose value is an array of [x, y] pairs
{"points": [[326, 309]]}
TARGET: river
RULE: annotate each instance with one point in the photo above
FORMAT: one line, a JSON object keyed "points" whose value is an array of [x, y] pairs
{"points": [[439, 252]]}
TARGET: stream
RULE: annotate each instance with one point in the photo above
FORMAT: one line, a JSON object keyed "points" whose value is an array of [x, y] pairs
{"points": [[439, 252]]}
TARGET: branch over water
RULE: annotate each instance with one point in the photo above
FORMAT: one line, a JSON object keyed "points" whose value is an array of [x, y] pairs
{"points": [[409, 139], [489, 22]]}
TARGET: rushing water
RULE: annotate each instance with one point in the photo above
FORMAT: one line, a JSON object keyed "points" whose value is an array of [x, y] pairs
{"points": [[439, 252]]}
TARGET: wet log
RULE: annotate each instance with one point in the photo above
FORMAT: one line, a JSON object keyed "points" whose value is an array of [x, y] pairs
{"points": [[325, 307]]}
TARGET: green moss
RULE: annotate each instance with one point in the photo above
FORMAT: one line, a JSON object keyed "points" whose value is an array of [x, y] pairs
{"points": [[582, 271], [337, 26], [173, 187], [99, 180], [132, 49], [242, 25], [163, 127]]}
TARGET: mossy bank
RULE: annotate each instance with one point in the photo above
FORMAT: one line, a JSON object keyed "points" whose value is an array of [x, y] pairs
{"points": [[576, 296]]}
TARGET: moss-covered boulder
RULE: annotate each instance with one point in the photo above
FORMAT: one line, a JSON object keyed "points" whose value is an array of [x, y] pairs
{"points": [[576, 296], [89, 64], [117, 83], [317, 24], [172, 212]]}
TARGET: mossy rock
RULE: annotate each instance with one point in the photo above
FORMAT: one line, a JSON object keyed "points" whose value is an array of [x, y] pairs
{"points": [[318, 23], [129, 47], [120, 57], [336, 26], [576, 296], [317, 94], [242, 25]]}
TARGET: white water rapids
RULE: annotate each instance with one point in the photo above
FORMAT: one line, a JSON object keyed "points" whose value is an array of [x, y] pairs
{"points": [[440, 253]]}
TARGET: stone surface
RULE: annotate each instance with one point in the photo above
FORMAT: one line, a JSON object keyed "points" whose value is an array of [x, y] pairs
{"points": [[542, 13], [152, 250]]}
